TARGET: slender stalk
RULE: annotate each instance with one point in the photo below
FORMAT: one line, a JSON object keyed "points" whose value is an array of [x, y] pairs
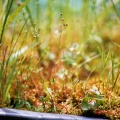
{"points": [[118, 75], [7, 14], [115, 9]]}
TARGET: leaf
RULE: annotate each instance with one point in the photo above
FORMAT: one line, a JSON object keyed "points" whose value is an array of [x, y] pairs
{"points": [[42, 98], [19, 104], [9, 80], [15, 13], [91, 102], [27, 104], [84, 104], [15, 55]]}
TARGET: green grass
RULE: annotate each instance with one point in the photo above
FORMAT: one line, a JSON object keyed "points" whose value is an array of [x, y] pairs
{"points": [[60, 56]]}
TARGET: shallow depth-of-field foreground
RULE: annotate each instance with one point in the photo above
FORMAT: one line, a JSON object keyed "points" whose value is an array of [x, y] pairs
{"points": [[61, 56]]}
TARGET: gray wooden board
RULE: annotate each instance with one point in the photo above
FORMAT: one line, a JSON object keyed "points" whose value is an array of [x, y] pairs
{"points": [[13, 114]]}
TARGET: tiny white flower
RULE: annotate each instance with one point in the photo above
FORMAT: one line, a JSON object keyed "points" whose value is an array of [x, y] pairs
{"points": [[57, 32], [74, 64], [61, 73], [71, 48], [78, 52], [52, 55]]}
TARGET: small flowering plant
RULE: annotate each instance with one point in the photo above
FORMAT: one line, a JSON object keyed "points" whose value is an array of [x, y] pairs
{"points": [[92, 100]]}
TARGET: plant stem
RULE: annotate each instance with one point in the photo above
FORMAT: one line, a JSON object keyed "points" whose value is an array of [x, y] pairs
{"points": [[5, 20], [115, 9]]}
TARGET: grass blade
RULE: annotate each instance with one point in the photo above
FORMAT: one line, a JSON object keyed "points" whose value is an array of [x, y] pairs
{"points": [[16, 12], [9, 80], [11, 17], [9, 5]]}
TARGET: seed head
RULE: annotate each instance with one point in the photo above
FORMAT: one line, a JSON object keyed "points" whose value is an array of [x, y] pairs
{"points": [[18, 3], [66, 25], [35, 36], [62, 19]]}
